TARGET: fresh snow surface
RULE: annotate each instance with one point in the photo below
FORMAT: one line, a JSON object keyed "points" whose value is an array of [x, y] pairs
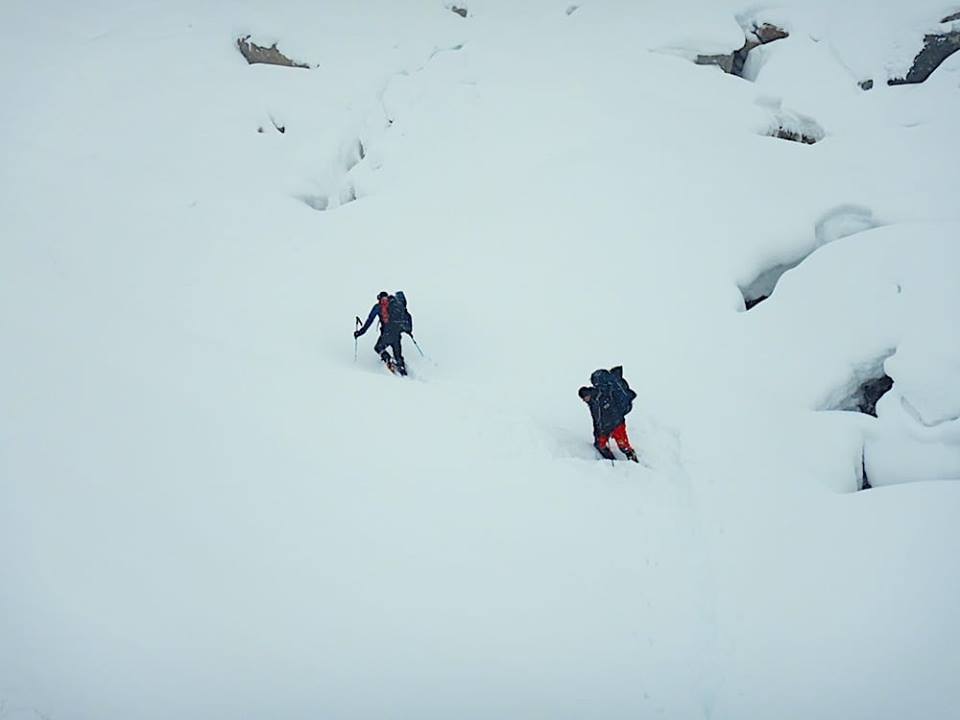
{"points": [[209, 509]]}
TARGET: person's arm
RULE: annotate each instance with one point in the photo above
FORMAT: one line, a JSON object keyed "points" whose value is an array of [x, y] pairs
{"points": [[595, 416], [366, 326], [410, 323]]}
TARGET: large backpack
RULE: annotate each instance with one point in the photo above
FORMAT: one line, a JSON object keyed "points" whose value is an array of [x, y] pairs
{"points": [[399, 312], [612, 382]]}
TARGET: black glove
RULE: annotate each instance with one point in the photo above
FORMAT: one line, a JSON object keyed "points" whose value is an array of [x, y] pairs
{"points": [[356, 334]]}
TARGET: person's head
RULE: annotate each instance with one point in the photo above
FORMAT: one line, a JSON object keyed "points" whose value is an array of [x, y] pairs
{"points": [[382, 294], [585, 393]]}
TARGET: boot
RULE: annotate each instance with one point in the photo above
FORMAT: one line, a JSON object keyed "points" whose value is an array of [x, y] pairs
{"points": [[631, 455], [388, 361], [606, 453]]}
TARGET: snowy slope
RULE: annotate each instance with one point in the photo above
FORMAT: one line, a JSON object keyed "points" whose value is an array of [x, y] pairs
{"points": [[208, 509]]}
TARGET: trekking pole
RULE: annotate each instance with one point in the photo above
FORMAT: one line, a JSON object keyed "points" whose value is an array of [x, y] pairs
{"points": [[355, 339], [417, 346]]}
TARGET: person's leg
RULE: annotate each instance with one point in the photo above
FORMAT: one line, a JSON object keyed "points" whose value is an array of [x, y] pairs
{"points": [[398, 355], [600, 443], [620, 435], [623, 442], [381, 349]]}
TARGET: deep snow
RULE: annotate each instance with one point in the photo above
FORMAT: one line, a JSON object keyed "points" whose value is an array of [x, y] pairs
{"points": [[209, 510]]}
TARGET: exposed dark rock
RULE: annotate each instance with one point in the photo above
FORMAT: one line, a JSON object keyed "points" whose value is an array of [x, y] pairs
{"points": [[572, 9], [762, 286], [768, 33], [866, 84], [733, 62], [870, 393], [788, 124], [864, 480], [867, 383], [255, 54], [740, 58], [951, 18], [724, 62], [786, 134], [936, 49], [279, 128], [461, 11]]}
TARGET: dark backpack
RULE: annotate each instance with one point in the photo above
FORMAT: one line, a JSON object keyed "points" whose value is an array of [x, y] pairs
{"points": [[399, 312], [611, 381]]}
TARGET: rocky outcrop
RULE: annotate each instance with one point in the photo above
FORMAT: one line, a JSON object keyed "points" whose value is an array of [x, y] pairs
{"points": [[256, 54], [951, 18], [794, 136], [732, 63], [867, 383], [936, 49], [788, 124], [724, 62], [870, 393], [461, 11], [767, 33]]}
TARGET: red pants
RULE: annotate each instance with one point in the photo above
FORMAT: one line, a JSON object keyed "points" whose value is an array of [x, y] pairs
{"points": [[620, 435]]}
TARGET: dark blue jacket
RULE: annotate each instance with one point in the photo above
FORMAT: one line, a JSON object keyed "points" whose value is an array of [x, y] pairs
{"points": [[406, 327], [374, 312], [611, 400], [606, 413]]}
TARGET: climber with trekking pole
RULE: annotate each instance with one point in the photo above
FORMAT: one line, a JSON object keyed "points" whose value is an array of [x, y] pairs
{"points": [[395, 319]]}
